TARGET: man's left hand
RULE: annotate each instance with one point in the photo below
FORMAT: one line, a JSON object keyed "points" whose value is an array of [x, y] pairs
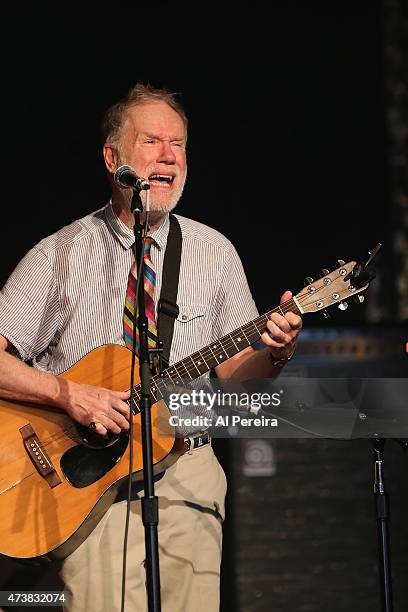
{"points": [[282, 332]]}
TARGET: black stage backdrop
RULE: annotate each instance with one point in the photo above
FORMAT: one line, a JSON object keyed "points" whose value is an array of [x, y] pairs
{"points": [[287, 157], [286, 146]]}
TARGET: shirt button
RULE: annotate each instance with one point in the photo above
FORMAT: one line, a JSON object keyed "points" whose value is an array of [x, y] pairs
{"points": [[184, 317]]}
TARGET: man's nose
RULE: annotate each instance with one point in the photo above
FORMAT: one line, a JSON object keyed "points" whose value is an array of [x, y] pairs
{"points": [[166, 153]]}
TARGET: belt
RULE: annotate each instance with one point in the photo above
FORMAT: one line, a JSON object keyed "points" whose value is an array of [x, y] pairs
{"points": [[194, 442]]}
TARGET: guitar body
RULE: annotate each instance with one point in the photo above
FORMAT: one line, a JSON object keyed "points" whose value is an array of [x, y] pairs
{"points": [[48, 517]]}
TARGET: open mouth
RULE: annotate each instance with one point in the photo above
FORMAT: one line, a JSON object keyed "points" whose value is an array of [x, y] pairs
{"points": [[162, 180]]}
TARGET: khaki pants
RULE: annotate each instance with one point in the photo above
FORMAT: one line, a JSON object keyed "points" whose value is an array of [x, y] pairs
{"points": [[191, 509]]}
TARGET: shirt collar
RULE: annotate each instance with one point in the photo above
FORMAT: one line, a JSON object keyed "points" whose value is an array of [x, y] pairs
{"points": [[161, 233], [125, 234]]}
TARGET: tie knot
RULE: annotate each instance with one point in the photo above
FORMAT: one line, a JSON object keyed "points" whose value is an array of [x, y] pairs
{"points": [[147, 245]]}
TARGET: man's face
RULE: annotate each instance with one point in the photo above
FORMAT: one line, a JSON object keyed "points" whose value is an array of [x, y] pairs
{"points": [[154, 144]]}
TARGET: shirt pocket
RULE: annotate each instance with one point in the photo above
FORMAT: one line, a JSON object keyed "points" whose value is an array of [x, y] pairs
{"points": [[188, 330], [189, 313]]}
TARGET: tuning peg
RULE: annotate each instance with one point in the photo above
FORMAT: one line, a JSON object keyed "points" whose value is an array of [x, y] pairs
{"points": [[359, 299], [342, 305], [339, 263], [324, 272], [308, 281], [326, 313]]}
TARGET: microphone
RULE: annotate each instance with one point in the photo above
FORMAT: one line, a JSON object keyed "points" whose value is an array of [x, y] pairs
{"points": [[125, 176]]}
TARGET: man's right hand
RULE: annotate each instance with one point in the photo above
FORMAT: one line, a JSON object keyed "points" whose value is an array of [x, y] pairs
{"points": [[89, 404], [84, 403]]}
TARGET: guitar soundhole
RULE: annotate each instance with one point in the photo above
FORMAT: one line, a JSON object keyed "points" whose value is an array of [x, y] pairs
{"points": [[83, 465]]}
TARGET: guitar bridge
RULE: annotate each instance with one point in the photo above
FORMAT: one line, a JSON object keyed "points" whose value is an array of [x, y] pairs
{"points": [[38, 456]]}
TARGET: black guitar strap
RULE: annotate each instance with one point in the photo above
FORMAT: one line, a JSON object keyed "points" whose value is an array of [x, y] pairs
{"points": [[167, 307]]}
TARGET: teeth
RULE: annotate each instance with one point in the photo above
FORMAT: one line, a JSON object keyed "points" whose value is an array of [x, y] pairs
{"points": [[165, 177]]}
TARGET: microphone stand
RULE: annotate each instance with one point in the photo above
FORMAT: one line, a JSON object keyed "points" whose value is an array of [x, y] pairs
{"points": [[382, 507], [383, 516], [150, 506]]}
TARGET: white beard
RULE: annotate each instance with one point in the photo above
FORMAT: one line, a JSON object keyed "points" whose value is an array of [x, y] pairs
{"points": [[160, 207]]}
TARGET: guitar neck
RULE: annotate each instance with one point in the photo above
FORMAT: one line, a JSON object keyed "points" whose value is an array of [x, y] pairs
{"points": [[217, 352]]}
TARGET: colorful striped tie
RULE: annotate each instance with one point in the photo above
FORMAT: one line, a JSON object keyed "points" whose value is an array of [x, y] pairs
{"points": [[149, 289]]}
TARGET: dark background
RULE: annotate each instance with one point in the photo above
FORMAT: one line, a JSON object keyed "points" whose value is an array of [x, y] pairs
{"points": [[288, 156], [287, 140]]}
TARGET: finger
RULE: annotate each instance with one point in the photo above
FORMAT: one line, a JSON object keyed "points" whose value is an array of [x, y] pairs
{"points": [[123, 395], [118, 418], [294, 321], [107, 423], [277, 333], [121, 407], [285, 296], [281, 322], [268, 341], [99, 428]]}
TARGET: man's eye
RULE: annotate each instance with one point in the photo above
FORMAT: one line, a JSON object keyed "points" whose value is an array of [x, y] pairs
{"points": [[150, 141]]}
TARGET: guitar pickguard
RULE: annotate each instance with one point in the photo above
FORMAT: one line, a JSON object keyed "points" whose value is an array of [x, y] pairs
{"points": [[83, 466]]}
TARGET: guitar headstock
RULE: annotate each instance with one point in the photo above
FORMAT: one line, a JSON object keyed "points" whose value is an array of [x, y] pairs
{"points": [[333, 288]]}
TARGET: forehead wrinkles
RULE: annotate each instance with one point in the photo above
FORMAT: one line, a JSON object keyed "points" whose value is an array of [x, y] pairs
{"points": [[155, 119]]}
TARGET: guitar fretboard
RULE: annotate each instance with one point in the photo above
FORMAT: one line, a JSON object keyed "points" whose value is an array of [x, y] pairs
{"points": [[213, 354]]}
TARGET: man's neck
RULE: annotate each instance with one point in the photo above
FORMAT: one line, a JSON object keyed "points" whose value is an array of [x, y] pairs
{"points": [[122, 211]]}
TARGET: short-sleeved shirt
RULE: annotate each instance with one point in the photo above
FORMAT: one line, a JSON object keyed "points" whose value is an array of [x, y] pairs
{"points": [[66, 296]]}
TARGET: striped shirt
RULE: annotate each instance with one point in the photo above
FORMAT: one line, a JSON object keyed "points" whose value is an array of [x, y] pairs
{"points": [[66, 296]]}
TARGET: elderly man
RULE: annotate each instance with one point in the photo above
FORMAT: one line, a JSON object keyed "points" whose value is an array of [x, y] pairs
{"points": [[67, 297]]}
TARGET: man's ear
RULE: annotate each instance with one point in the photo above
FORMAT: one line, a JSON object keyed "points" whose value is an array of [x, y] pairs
{"points": [[110, 156]]}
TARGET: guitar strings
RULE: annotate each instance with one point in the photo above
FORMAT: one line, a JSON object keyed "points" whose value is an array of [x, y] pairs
{"points": [[59, 435], [207, 354], [228, 342]]}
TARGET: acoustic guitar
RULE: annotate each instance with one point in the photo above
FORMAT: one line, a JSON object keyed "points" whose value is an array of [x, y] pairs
{"points": [[58, 478]]}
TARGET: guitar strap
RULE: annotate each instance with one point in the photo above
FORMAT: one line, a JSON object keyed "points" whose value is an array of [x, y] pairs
{"points": [[168, 309]]}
